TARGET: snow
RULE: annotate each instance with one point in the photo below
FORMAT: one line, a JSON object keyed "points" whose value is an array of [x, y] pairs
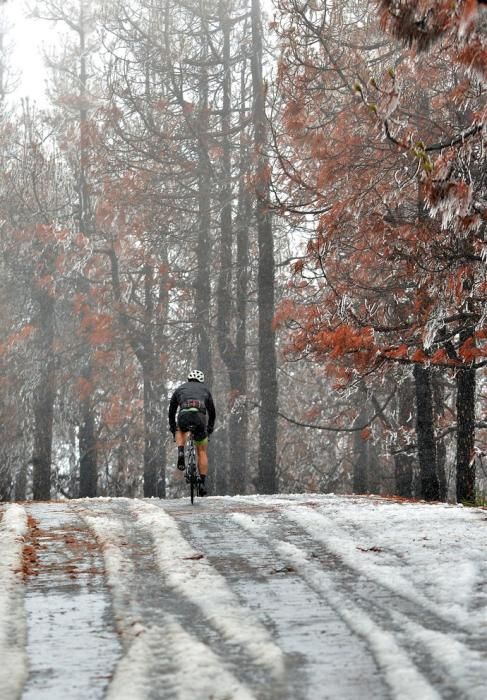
{"points": [[303, 596], [131, 675], [210, 677], [13, 666], [186, 652], [452, 656], [403, 678], [434, 561], [192, 576], [72, 645], [431, 555]]}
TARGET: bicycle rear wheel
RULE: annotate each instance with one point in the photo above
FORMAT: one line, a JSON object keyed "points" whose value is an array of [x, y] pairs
{"points": [[192, 471]]}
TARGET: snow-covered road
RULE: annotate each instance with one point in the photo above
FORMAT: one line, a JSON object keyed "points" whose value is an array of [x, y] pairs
{"points": [[299, 597]]}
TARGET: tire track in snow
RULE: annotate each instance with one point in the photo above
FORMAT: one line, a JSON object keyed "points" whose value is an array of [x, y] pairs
{"points": [[403, 678], [158, 658], [13, 664], [324, 661], [155, 595], [434, 639], [466, 667], [409, 603], [71, 641], [194, 578], [342, 546], [425, 549]]}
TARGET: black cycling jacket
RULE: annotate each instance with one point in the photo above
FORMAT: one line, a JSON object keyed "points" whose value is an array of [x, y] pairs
{"points": [[192, 391]]}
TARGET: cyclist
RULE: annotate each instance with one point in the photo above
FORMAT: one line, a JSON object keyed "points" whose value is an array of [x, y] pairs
{"points": [[196, 413]]}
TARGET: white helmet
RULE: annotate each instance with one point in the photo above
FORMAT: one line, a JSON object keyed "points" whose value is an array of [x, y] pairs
{"points": [[196, 374]]}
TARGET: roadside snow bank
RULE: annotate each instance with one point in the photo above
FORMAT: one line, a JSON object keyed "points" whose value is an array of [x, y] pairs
{"points": [[13, 664], [188, 573]]}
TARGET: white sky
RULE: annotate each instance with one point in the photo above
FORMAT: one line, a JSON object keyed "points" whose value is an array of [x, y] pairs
{"points": [[25, 36]]}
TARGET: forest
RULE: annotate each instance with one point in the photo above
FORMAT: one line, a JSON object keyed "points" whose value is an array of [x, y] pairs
{"points": [[289, 195]]}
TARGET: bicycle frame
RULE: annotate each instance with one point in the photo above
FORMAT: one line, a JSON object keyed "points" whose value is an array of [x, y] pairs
{"points": [[192, 473]]}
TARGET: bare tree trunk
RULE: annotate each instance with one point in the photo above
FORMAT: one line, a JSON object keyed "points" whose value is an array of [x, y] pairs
{"points": [[404, 462], [439, 411], [374, 469], [154, 476], [44, 396], [88, 459], [203, 245], [239, 420], [361, 456], [161, 348], [466, 381], [268, 389], [20, 490], [154, 452], [88, 468], [430, 485], [224, 297], [232, 353]]}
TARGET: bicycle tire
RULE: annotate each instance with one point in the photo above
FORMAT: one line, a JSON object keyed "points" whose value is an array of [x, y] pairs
{"points": [[192, 471]]}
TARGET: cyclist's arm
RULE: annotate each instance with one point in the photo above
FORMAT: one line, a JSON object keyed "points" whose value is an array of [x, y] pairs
{"points": [[173, 407], [210, 407]]}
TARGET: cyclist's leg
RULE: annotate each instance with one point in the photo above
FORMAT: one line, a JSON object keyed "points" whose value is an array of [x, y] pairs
{"points": [[180, 438], [202, 450], [201, 442]]}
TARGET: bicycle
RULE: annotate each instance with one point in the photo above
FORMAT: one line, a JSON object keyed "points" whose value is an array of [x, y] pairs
{"points": [[191, 472]]}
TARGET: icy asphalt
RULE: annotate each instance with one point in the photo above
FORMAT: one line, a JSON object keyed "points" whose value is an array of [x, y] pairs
{"points": [[299, 597]]}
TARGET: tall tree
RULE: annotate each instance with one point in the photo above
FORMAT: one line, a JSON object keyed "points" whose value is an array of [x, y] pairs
{"points": [[378, 288], [268, 388], [233, 277], [403, 459], [32, 199], [454, 181], [71, 85], [430, 485]]}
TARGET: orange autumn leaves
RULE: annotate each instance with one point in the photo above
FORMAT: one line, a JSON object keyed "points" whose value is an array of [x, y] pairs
{"points": [[392, 270]]}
